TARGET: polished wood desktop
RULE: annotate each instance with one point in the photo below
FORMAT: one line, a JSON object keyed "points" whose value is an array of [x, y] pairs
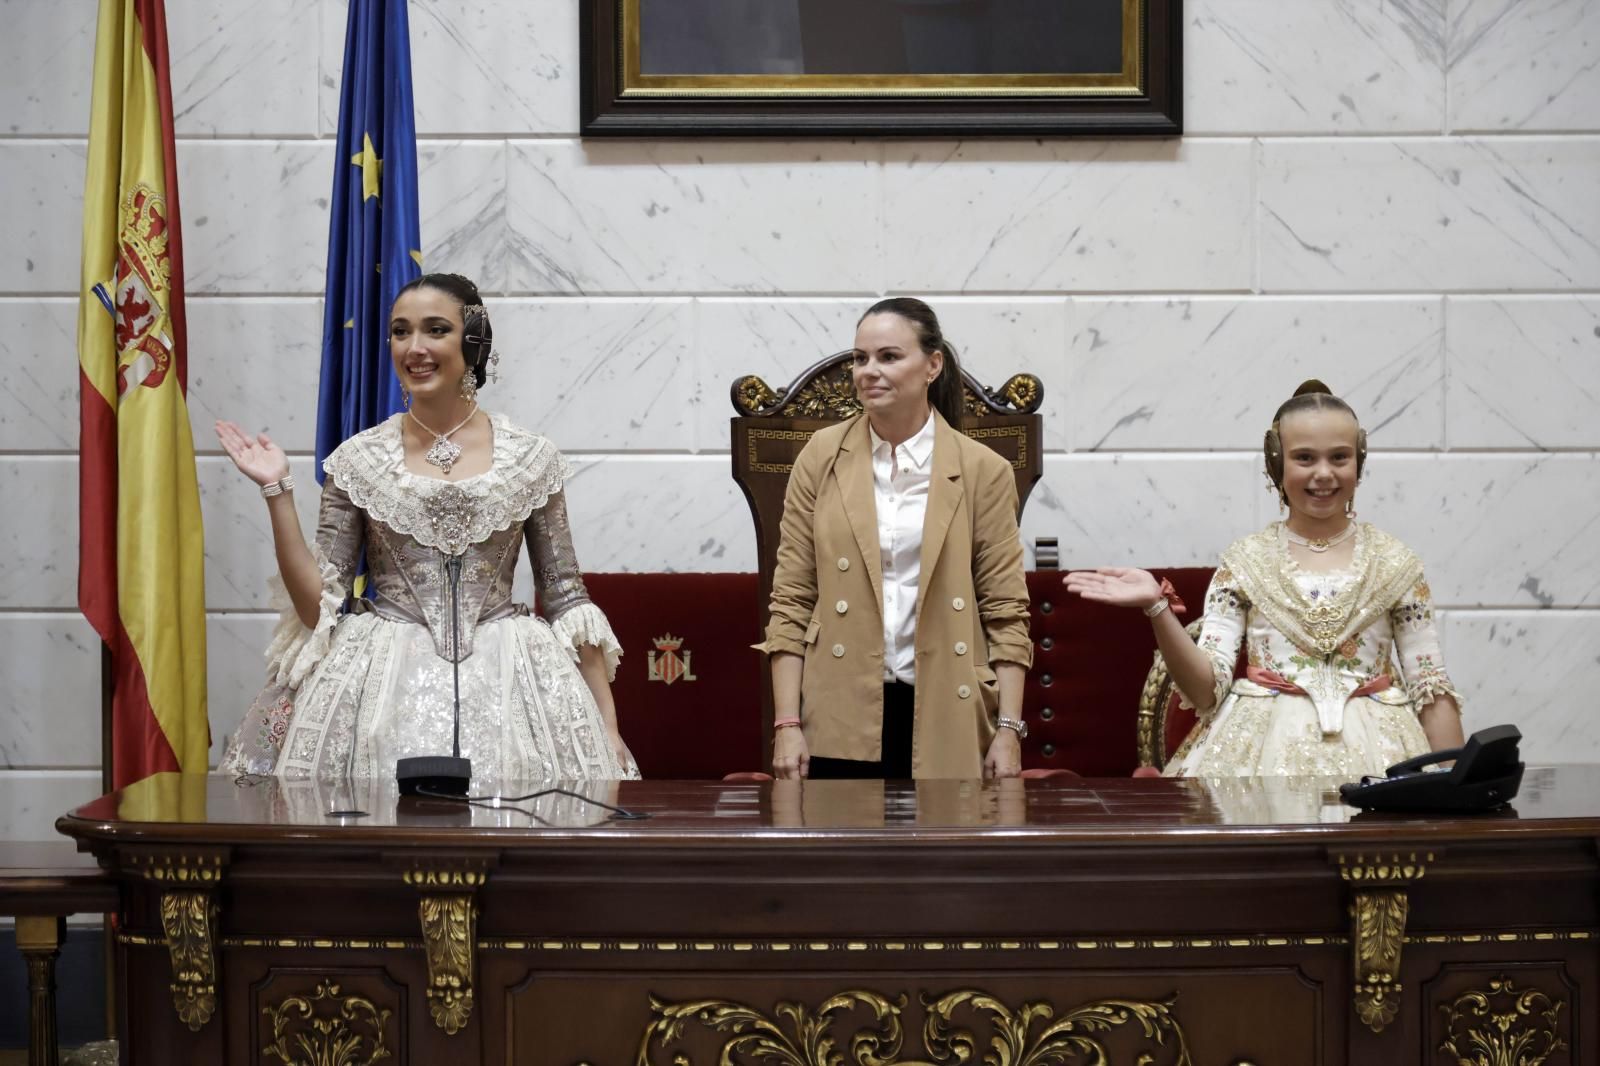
{"points": [[1192, 921]]}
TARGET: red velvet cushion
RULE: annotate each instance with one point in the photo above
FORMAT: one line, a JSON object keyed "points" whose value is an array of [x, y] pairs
{"points": [[681, 728], [1081, 700]]}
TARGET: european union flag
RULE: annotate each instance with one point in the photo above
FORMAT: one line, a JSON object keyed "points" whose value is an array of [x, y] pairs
{"points": [[374, 239]]}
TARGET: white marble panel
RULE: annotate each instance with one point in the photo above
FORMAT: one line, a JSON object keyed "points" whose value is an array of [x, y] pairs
{"points": [[1537, 670], [1522, 372], [1139, 510], [242, 67], [635, 217], [598, 375], [47, 65], [1524, 65], [1477, 214], [255, 215], [1208, 372], [1057, 216], [239, 552], [39, 542], [496, 66], [644, 514], [257, 363], [461, 208], [39, 375], [41, 215], [32, 800], [50, 703], [1263, 66], [778, 339], [236, 669], [1493, 530]]}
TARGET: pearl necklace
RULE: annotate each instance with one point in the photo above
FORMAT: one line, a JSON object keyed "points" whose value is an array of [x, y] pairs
{"points": [[1320, 544], [444, 452]]}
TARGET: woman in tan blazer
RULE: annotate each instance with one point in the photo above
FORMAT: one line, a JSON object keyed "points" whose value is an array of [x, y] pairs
{"points": [[898, 639]]}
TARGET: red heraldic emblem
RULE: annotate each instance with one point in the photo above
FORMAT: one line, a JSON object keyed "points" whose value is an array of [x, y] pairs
{"points": [[669, 667], [139, 291]]}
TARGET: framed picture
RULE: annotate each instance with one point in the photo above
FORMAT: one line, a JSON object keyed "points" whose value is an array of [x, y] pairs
{"points": [[787, 68]]}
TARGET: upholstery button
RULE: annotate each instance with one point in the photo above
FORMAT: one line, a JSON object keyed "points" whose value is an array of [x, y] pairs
{"points": [[838, 651], [1047, 643], [958, 603], [964, 692], [1046, 607], [844, 564], [961, 647], [841, 607], [1048, 750], [1047, 713], [1046, 680]]}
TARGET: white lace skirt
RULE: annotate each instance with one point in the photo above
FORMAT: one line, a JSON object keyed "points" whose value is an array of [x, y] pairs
{"points": [[382, 693], [1279, 735]]}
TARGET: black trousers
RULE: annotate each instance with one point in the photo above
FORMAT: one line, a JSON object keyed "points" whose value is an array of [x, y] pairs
{"points": [[899, 703]]}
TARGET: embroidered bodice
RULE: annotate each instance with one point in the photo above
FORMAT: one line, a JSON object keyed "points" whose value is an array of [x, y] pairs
{"points": [[1329, 634]]}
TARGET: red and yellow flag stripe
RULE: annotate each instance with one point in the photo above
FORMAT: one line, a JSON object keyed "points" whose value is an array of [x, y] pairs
{"points": [[141, 577]]}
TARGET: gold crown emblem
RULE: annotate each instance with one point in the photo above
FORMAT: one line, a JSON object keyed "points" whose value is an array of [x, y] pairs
{"points": [[669, 642]]}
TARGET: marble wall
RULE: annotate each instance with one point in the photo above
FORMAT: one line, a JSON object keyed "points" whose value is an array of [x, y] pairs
{"points": [[1401, 198]]}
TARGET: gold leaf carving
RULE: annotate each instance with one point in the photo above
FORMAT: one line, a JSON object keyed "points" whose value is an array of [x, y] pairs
{"points": [[1380, 931], [326, 1030], [798, 1036], [752, 396], [448, 938], [186, 919], [1501, 1026]]}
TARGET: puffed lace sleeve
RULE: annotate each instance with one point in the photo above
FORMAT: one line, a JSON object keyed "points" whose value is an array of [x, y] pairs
{"points": [[563, 599], [1221, 632], [295, 649], [1416, 641]]}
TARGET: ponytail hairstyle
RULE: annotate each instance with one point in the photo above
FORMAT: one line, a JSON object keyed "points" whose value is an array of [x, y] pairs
{"points": [[946, 393], [1312, 395], [477, 336]]}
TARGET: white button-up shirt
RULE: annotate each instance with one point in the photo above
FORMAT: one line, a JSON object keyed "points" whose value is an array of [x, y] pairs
{"points": [[900, 478]]}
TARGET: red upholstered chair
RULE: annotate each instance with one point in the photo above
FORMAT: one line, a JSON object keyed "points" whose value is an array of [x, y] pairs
{"points": [[688, 689], [1089, 667]]}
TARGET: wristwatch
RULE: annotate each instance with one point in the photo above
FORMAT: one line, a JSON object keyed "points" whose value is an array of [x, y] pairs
{"points": [[1015, 724]]}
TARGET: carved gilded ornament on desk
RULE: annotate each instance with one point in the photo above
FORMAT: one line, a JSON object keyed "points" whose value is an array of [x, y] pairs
{"points": [[326, 1030], [188, 918], [1502, 1027], [449, 923], [1378, 929], [801, 1037]]}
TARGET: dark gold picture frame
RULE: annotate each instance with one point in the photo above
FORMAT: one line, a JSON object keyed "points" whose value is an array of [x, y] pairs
{"points": [[623, 96]]}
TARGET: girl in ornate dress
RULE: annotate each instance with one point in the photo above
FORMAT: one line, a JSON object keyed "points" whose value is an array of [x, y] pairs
{"points": [[440, 499], [1324, 606]]}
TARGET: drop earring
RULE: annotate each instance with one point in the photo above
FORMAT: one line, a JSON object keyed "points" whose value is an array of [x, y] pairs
{"points": [[469, 386]]}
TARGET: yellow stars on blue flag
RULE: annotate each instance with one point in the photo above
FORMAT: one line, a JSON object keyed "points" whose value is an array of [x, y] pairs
{"points": [[371, 168]]}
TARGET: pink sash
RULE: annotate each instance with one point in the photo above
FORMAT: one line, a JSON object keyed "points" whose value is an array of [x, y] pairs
{"points": [[1278, 683]]}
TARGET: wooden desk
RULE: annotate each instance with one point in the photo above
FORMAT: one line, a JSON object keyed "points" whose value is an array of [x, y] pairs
{"points": [[1196, 922], [40, 884]]}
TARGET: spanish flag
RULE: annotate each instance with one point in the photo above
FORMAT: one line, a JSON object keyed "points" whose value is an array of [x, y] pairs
{"points": [[141, 553]]}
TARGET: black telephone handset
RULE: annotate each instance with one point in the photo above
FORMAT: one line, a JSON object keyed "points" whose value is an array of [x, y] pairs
{"points": [[1486, 775]]}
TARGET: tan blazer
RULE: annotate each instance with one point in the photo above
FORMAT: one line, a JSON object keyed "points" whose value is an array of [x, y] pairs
{"points": [[972, 600]]}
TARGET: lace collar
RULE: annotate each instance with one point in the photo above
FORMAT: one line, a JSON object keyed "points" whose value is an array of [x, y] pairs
{"points": [[526, 469], [1381, 570]]}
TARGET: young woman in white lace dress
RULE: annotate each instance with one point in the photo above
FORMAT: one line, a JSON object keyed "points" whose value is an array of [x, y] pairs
{"points": [[443, 485], [1325, 607]]}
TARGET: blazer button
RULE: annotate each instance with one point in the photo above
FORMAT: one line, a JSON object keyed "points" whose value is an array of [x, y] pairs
{"points": [[844, 564], [838, 651], [958, 603], [961, 647], [841, 607], [964, 692]]}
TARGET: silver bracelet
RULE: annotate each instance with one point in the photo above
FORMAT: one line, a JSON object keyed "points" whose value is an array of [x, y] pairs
{"points": [[278, 487], [1156, 608], [1016, 725]]}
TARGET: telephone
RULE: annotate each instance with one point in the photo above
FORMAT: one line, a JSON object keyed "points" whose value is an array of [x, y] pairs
{"points": [[1486, 775]]}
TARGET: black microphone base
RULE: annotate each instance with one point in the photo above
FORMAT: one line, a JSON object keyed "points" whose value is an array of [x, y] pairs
{"points": [[433, 774]]}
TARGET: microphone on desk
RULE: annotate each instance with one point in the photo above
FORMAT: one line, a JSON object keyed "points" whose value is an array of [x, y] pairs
{"points": [[442, 775]]}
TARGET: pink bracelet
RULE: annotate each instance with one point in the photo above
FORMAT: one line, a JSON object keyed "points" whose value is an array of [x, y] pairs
{"points": [[783, 723]]}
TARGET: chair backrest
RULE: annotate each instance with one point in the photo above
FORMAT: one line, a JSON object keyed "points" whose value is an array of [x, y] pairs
{"points": [[1164, 723], [772, 425]]}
